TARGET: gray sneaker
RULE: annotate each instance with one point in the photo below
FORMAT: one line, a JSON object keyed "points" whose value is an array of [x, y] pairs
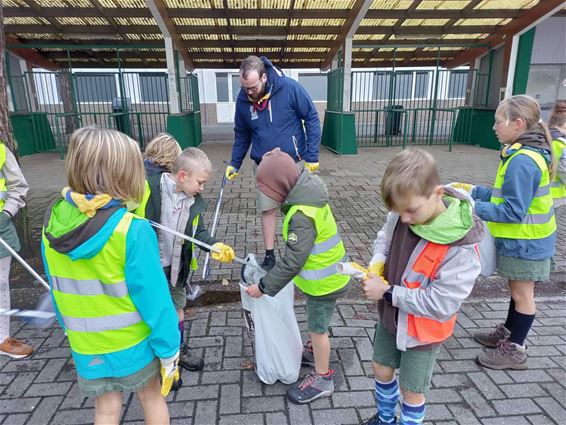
{"points": [[507, 355], [312, 387], [308, 355], [492, 338]]}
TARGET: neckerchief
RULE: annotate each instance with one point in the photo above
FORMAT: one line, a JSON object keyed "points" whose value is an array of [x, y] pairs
{"points": [[87, 203], [262, 103]]}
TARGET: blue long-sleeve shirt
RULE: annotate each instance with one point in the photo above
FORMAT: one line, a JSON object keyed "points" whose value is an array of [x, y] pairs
{"points": [[522, 179], [279, 124]]}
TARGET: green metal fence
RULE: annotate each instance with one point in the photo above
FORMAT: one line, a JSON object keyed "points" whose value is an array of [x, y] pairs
{"points": [[135, 103], [416, 107]]}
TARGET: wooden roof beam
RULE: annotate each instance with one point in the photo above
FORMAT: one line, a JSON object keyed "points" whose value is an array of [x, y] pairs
{"points": [[159, 13], [31, 55], [526, 19], [134, 12], [355, 16]]}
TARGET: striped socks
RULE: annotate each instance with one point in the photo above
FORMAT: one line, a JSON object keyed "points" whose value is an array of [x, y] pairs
{"points": [[387, 396], [412, 414]]}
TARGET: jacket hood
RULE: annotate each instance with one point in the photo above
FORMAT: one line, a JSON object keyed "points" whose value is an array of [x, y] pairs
{"points": [[534, 139], [71, 232], [556, 133], [310, 189], [457, 225]]}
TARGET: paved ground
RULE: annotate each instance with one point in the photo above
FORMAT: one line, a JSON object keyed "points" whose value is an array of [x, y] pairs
{"points": [[42, 389]]}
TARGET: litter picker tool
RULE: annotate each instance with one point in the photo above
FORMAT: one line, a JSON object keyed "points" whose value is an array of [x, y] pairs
{"points": [[206, 268], [42, 316]]}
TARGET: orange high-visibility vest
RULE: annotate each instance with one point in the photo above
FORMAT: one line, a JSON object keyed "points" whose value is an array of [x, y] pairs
{"points": [[425, 330]]}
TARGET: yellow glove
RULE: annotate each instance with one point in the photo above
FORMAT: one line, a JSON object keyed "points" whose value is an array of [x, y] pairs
{"points": [[376, 268], [312, 166], [360, 268], [169, 373], [231, 172], [225, 254], [466, 186]]}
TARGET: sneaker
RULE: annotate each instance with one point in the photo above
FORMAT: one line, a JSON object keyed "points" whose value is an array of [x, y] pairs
{"points": [[189, 360], [507, 355], [15, 348], [193, 292], [311, 388], [492, 338], [308, 355], [374, 420], [268, 262]]}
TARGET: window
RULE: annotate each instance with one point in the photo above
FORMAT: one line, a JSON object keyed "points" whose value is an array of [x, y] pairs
{"points": [[235, 86], [457, 84], [153, 87], [315, 85], [381, 81], [221, 87], [544, 83], [403, 85], [96, 87], [421, 85]]}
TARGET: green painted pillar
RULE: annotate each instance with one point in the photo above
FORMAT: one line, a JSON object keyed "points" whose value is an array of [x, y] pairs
{"points": [[523, 63]]}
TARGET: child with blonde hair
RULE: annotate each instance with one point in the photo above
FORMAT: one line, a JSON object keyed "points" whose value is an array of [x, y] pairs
{"points": [[173, 199], [424, 266], [520, 215], [109, 291]]}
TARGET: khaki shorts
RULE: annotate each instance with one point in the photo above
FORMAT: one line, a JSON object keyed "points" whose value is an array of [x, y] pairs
{"points": [[178, 293], [415, 365], [319, 314]]}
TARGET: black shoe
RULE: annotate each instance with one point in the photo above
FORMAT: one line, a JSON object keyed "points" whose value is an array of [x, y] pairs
{"points": [[190, 361], [268, 262]]}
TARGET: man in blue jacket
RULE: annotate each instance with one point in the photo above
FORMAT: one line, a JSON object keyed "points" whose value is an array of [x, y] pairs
{"points": [[272, 111]]}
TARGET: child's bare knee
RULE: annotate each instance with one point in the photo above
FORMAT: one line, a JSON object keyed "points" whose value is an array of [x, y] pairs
{"points": [[412, 398], [383, 373]]}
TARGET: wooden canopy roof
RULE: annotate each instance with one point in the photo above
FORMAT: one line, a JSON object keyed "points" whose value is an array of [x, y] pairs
{"points": [[292, 33]]}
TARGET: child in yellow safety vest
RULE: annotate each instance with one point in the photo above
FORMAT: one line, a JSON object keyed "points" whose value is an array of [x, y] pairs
{"points": [[13, 190], [109, 290], [520, 215], [424, 265], [313, 248]]}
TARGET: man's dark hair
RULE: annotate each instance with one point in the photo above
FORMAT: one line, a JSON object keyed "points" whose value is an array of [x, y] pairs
{"points": [[252, 63]]}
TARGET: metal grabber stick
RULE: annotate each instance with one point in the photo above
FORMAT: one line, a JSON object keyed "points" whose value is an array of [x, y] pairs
{"points": [[206, 267], [37, 314]]}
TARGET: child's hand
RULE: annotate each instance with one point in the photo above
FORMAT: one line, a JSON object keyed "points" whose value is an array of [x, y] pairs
{"points": [[376, 268], [254, 291], [225, 254], [374, 287]]}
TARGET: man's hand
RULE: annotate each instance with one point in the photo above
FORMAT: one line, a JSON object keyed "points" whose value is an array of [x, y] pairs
{"points": [[169, 373], [312, 166], [374, 287], [254, 291], [231, 172]]}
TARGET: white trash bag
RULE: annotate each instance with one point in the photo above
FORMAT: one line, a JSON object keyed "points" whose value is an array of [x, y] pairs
{"points": [[273, 330]]}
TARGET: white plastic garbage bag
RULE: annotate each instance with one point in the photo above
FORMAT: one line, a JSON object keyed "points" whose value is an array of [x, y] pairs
{"points": [[273, 330]]}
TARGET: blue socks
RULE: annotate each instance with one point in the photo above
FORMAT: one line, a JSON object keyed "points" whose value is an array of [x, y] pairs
{"points": [[387, 396], [412, 414]]}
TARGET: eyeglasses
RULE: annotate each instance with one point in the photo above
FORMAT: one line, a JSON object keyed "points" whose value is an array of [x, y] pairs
{"points": [[253, 88]]}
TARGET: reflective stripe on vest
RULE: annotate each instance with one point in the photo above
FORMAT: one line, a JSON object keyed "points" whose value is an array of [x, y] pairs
{"points": [[423, 270], [3, 189], [93, 299], [539, 222], [558, 188], [318, 275]]}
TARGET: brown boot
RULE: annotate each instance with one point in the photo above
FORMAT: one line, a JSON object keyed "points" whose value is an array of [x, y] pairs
{"points": [[492, 338], [507, 355], [15, 348]]}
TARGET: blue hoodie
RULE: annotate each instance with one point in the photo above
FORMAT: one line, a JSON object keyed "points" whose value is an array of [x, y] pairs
{"points": [[522, 179], [276, 125], [146, 282]]}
